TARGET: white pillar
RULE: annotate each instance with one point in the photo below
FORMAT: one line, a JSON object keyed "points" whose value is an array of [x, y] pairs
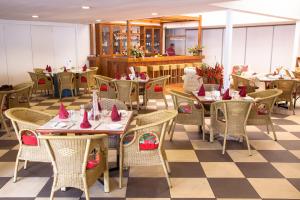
{"points": [[296, 45], [227, 49]]}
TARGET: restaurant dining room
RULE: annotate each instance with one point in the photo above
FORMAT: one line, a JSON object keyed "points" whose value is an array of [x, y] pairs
{"points": [[149, 100]]}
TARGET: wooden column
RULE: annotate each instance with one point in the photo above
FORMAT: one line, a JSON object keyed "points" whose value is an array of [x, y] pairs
{"points": [[128, 37], [92, 39], [200, 31]]}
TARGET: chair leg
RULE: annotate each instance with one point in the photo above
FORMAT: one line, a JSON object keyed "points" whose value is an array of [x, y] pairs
{"points": [[106, 178], [203, 132], [25, 164], [165, 170], [5, 125], [86, 190], [224, 143], [120, 172], [267, 128], [248, 145], [273, 130], [165, 100], [53, 188], [16, 167]]}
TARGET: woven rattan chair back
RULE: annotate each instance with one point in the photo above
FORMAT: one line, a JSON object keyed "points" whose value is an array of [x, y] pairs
{"points": [[239, 81], [236, 113], [127, 91], [38, 70], [151, 91], [47, 82], [70, 155], [2, 105], [66, 81], [195, 114], [109, 91], [20, 95], [156, 123], [288, 88]]}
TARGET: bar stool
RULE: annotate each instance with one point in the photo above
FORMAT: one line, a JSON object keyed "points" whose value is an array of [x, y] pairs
{"points": [[173, 73], [180, 72], [141, 69], [154, 70], [165, 70]]}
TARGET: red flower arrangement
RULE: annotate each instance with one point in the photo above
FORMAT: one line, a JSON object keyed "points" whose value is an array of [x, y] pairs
{"points": [[211, 75]]}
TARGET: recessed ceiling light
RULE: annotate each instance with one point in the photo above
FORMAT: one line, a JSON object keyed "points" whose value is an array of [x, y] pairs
{"points": [[154, 14], [85, 7], [98, 20], [35, 16]]}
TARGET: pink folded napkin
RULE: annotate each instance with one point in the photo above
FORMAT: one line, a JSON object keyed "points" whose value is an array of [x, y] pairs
{"points": [[63, 113], [65, 69], [243, 91], [84, 68], [201, 91], [143, 76], [115, 115], [49, 69], [226, 95], [117, 76], [85, 122], [127, 77]]}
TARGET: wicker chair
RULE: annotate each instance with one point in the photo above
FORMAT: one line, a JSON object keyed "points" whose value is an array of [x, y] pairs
{"points": [[239, 81], [156, 88], [288, 88], [2, 118], [28, 119], [66, 80], [297, 90], [130, 154], [195, 115], [38, 70], [86, 80], [127, 91], [70, 156], [105, 87], [20, 95], [41, 82], [230, 118], [266, 99]]}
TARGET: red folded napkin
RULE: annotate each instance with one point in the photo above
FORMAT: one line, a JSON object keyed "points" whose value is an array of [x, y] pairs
{"points": [[28, 138], [201, 91], [85, 122], [65, 69], [243, 91], [115, 116], [127, 77], [117, 76], [226, 95], [91, 164], [84, 68], [143, 76], [63, 113], [49, 69]]}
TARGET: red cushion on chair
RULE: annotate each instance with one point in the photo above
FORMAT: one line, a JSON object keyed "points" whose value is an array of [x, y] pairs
{"points": [[148, 141], [158, 88], [92, 164], [83, 79], [28, 138], [103, 88], [41, 81]]}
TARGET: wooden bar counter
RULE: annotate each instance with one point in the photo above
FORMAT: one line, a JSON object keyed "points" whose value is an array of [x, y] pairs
{"points": [[121, 64]]}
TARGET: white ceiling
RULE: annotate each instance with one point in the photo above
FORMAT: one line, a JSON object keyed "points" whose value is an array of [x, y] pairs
{"points": [[107, 10]]}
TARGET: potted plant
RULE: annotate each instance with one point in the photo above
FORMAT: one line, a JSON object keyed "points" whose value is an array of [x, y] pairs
{"points": [[195, 51], [137, 52]]}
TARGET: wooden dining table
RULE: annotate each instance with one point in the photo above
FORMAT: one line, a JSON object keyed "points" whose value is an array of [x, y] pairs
{"points": [[215, 96]]}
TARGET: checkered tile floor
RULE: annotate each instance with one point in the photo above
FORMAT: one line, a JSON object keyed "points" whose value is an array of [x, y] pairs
{"points": [[198, 169]]}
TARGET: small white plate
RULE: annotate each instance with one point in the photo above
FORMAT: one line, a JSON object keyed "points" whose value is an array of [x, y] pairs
{"points": [[123, 113]]}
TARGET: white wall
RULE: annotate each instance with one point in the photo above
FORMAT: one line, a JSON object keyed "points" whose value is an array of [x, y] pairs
{"points": [[26, 45], [262, 48]]}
